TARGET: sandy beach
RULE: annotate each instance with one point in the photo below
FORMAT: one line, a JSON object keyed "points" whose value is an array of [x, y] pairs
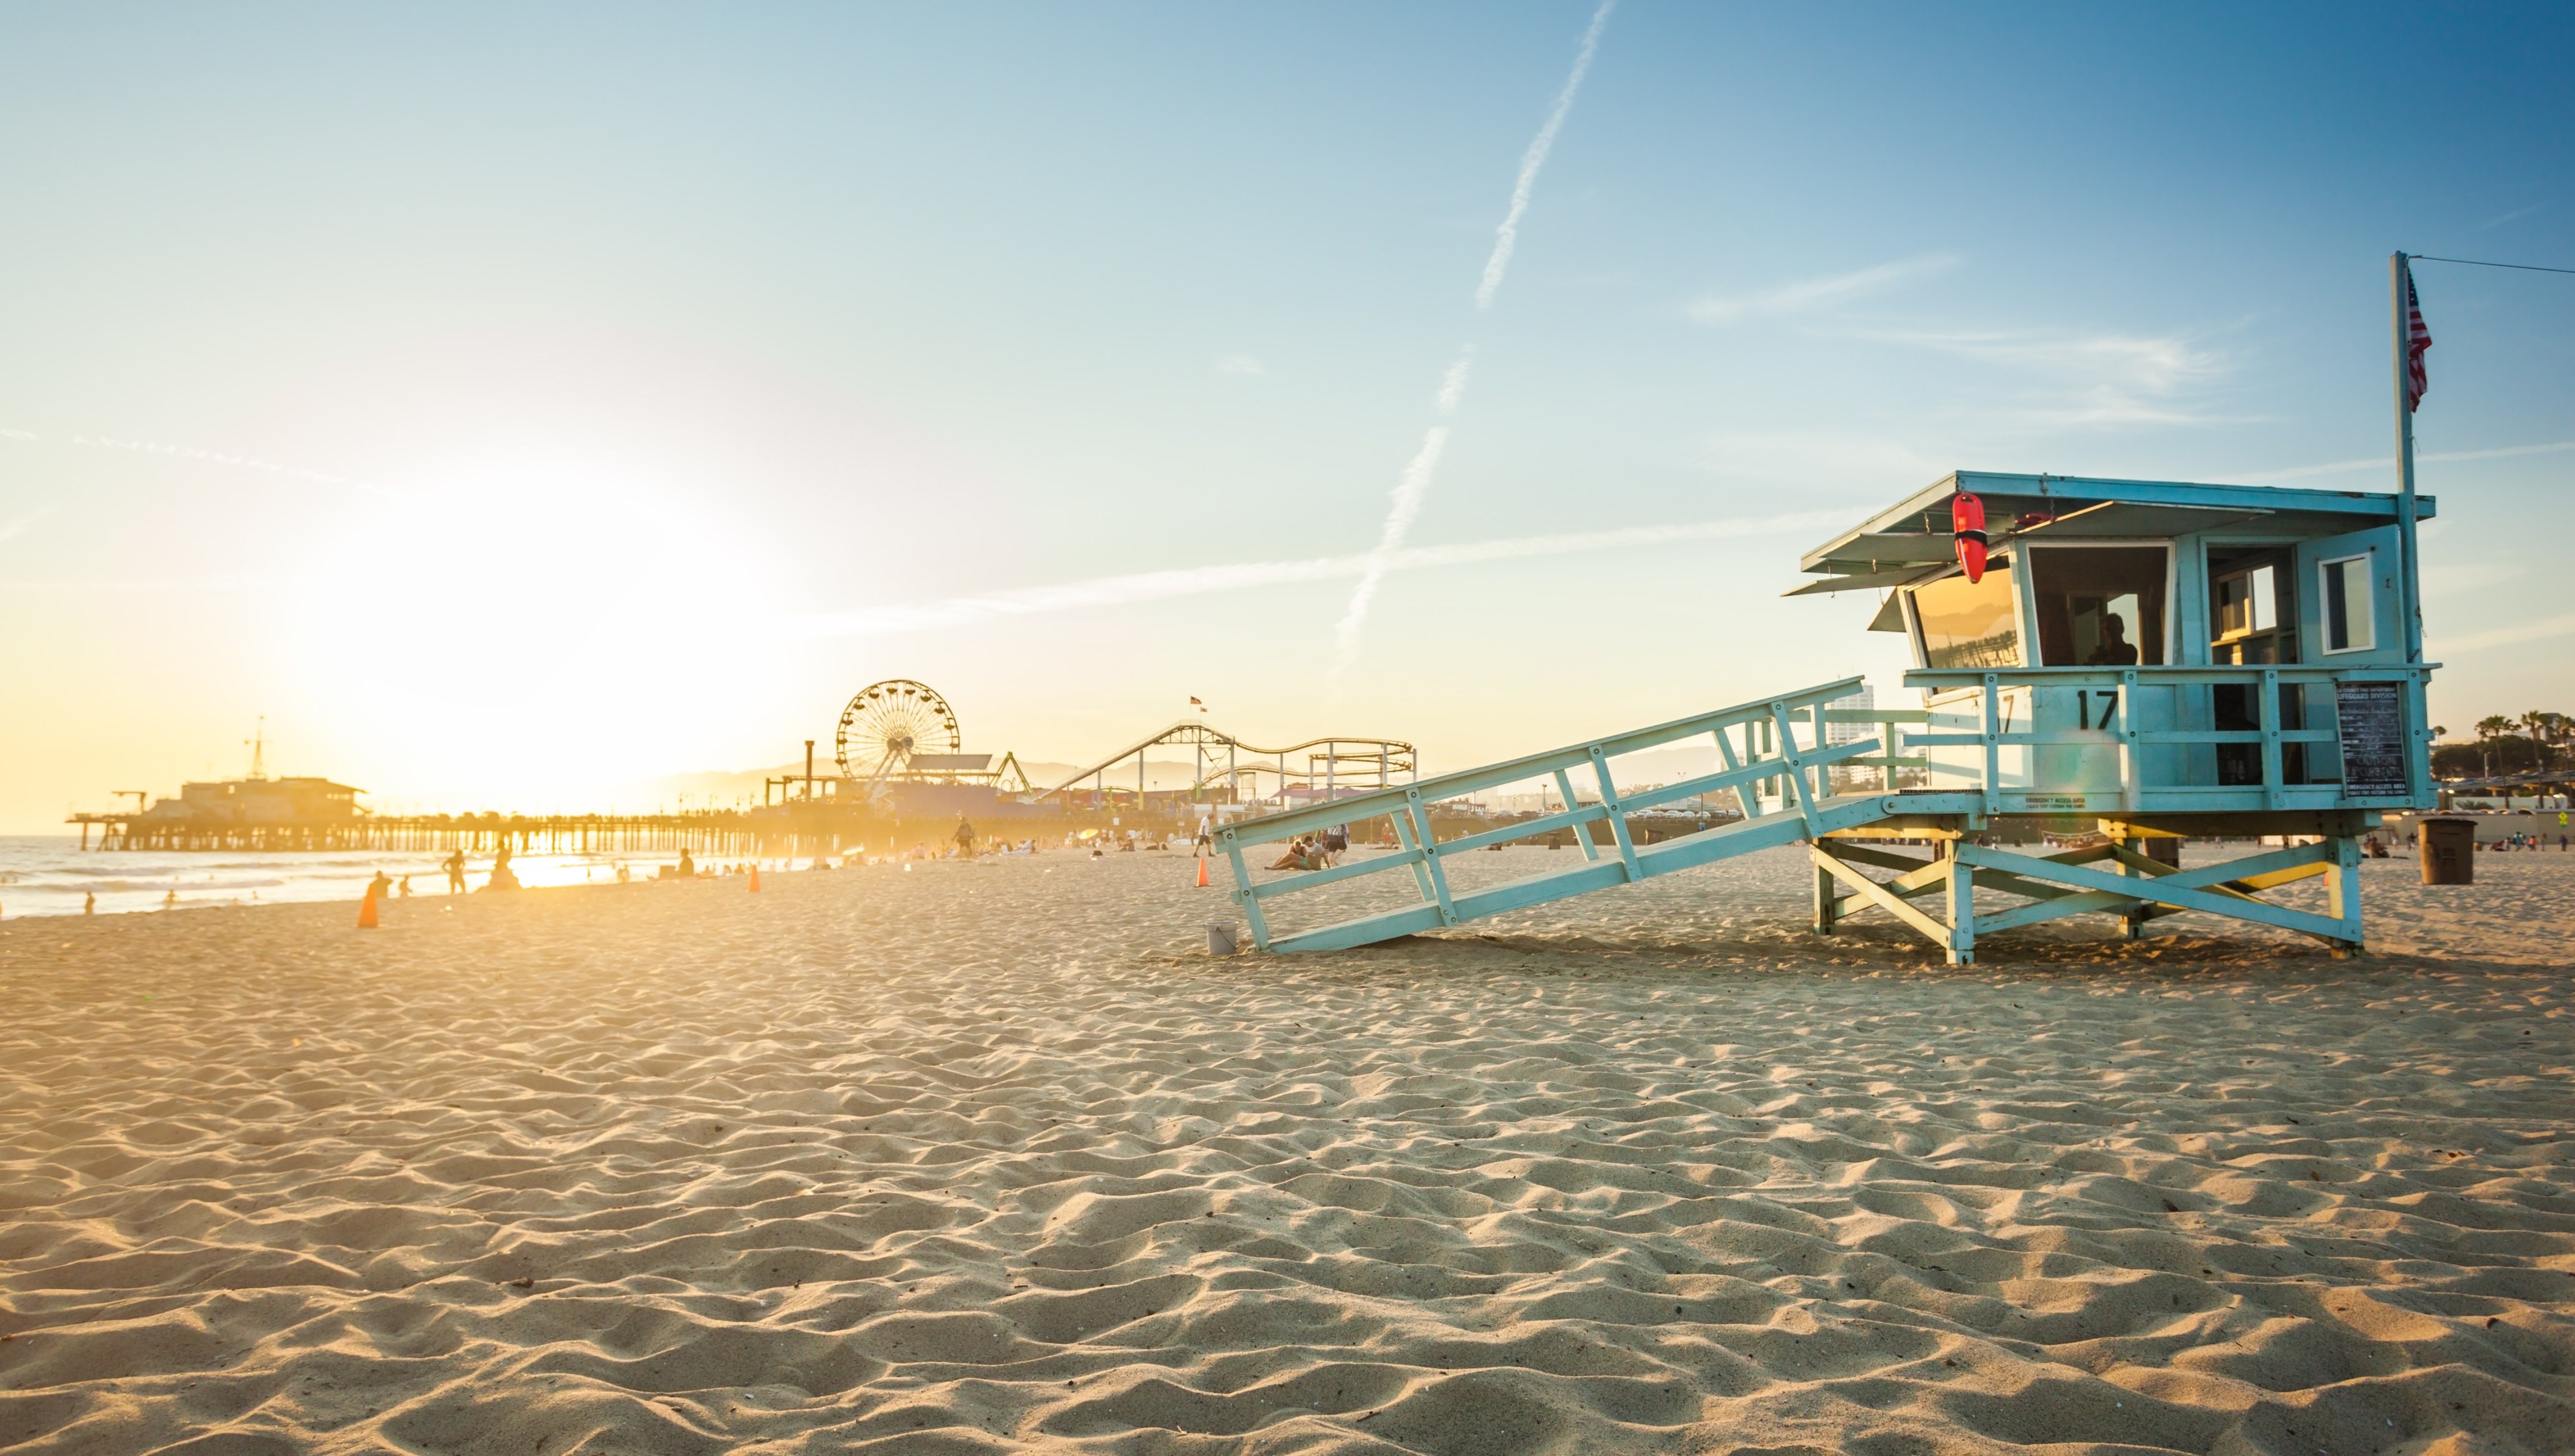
{"points": [[983, 1157]]}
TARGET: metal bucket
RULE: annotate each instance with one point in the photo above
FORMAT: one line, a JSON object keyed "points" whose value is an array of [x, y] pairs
{"points": [[1220, 938]]}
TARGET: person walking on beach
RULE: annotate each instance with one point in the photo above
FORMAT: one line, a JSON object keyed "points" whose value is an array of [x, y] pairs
{"points": [[1205, 844], [964, 839], [454, 864], [380, 888], [89, 903]]}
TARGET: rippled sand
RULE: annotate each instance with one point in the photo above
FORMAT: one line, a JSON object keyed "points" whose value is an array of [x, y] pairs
{"points": [[992, 1157]]}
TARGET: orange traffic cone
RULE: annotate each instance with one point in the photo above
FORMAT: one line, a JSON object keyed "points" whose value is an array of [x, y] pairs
{"points": [[755, 880], [367, 911], [1202, 880]]}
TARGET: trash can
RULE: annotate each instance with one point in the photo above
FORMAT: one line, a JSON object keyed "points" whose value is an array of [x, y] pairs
{"points": [[2449, 851], [1220, 938]]}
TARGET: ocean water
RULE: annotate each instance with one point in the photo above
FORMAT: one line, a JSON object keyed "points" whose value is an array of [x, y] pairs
{"points": [[51, 874]]}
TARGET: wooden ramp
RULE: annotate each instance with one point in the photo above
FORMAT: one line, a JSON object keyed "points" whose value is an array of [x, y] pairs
{"points": [[1774, 749], [1776, 759]]}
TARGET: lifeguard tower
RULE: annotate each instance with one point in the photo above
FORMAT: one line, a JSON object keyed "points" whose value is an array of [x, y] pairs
{"points": [[2135, 662]]}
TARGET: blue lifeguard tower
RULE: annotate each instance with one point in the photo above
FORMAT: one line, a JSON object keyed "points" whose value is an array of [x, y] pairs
{"points": [[2137, 662]]}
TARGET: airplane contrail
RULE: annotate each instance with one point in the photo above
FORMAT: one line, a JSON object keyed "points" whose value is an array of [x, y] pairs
{"points": [[1414, 484], [894, 620], [1508, 236]]}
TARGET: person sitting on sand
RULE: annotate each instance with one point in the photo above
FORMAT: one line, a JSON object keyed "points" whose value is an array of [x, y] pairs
{"points": [[1299, 856]]}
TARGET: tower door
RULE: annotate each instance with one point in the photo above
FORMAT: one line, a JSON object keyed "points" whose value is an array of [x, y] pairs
{"points": [[2349, 603], [2349, 615]]}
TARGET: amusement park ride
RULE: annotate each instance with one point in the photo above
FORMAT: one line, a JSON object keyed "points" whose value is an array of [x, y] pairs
{"points": [[900, 734], [1330, 768], [894, 733], [2139, 660]]}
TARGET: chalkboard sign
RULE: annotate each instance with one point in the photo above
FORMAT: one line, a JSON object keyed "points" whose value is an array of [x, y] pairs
{"points": [[2371, 719]]}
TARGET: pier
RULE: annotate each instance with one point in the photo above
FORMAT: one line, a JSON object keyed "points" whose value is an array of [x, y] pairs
{"points": [[795, 831]]}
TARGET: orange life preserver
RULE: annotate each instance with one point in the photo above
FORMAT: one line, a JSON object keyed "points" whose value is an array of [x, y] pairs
{"points": [[1968, 521]]}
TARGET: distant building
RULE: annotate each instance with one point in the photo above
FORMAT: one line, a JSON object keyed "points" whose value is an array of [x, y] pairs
{"points": [[1838, 733], [260, 801], [1845, 779]]}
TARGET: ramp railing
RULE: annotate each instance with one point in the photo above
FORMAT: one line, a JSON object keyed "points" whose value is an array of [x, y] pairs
{"points": [[1775, 744]]}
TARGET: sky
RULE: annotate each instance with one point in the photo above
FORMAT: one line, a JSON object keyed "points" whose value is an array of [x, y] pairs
{"points": [[511, 405]]}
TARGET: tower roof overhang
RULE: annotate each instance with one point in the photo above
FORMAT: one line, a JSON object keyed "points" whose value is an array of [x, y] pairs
{"points": [[1911, 540]]}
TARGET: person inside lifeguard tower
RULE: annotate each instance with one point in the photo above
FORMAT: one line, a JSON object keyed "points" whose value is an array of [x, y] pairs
{"points": [[2115, 649]]}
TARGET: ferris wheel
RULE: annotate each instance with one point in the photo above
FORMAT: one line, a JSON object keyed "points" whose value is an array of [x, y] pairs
{"points": [[888, 725]]}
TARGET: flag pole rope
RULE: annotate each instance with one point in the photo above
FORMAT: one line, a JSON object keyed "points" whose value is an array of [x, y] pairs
{"points": [[2481, 263]]}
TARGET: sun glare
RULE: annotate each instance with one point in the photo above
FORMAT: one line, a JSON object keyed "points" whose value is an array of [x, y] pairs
{"points": [[554, 632]]}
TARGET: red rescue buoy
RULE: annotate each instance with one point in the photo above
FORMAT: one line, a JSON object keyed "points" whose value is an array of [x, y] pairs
{"points": [[1968, 521]]}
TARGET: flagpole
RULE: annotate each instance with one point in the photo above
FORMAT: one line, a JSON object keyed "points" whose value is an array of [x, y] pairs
{"points": [[2397, 279]]}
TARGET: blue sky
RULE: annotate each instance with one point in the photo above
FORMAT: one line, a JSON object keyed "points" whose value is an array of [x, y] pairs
{"points": [[584, 393]]}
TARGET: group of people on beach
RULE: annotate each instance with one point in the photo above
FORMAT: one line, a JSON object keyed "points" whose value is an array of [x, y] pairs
{"points": [[1315, 851]]}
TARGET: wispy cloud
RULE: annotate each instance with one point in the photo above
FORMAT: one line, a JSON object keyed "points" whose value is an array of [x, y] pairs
{"points": [[2542, 630], [241, 462], [1802, 458], [2514, 215], [1244, 575], [17, 434], [2097, 379], [12, 530], [1508, 236], [1242, 364], [70, 587], [2388, 462], [1811, 294]]}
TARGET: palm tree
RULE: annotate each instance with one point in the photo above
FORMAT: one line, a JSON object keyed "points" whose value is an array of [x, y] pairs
{"points": [[2490, 727]]}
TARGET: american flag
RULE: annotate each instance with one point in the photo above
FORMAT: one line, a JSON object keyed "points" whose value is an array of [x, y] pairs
{"points": [[2418, 337]]}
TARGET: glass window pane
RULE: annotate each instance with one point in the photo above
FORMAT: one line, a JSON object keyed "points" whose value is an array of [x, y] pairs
{"points": [[2348, 617], [2099, 606], [1969, 624]]}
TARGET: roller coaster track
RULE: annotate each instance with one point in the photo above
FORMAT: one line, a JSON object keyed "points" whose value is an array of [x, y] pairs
{"points": [[1382, 758]]}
